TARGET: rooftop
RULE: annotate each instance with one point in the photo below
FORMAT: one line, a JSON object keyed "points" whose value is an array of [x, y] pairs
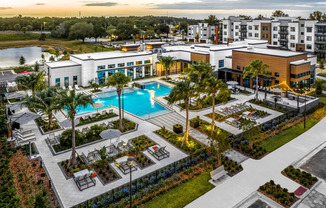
{"points": [[109, 55], [270, 52], [299, 62], [57, 64]]}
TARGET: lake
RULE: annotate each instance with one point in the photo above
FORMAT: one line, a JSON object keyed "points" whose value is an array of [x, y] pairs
{"points": [[10, 56]]}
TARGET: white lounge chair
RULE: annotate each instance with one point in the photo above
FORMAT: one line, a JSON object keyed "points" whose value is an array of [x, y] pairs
{"points": [[70, 88], [77, 87], [64, 87]]}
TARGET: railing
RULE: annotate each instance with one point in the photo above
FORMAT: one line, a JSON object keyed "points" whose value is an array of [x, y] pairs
{"points": [[283, 32]]}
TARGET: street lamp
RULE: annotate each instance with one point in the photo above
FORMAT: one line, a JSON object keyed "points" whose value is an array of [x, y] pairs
{"points": [[305, 104], [130, 159]]}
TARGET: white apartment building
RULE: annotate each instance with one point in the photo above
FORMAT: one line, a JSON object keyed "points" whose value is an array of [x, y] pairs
{"points": [[201, 33]]}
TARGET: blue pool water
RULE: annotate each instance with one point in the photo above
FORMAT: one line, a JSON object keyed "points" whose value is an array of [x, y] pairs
{"points": [[137, 102]]}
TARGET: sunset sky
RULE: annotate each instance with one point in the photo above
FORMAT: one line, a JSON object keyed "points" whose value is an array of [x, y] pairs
{"points": [[188, 8]]}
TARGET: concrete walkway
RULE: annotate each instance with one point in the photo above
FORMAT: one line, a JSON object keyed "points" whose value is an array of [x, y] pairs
{"points": [[257, 172]]}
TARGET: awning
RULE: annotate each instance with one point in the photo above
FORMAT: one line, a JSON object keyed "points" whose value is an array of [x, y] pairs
{"points": [[14, 106], [23, 118]]}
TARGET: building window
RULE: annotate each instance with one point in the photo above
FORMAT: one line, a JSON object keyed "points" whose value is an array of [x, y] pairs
{"points": [[57, 82], [221, 63], [121, 65], [309, 38], [265, 28], [309, 46], [139, 62], [256, 27], [292, 29], [274, 28], [256, 35], [239, 67], [302, 33], [75, 80], [225, 26], [292, 45], [302, 25], [274, 35], [236, 34], [277, 74], [274, 43], [100, 67], [111, 66], [130, 63], [277, 82], [309, 29], [250, 34], [111, 72], [101, 77], [292, 37], [66, 81], [147, 61], [250, 27], [265, 35], [237, 27], [224, 39], [243, 68]]}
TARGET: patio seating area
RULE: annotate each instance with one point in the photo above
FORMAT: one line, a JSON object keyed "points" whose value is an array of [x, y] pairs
{"points": [[84, 179], [237, 108], [125, 166], [158, 152]]}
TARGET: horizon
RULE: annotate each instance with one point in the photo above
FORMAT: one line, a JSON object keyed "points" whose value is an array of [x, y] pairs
{"points": [[194, 9]]}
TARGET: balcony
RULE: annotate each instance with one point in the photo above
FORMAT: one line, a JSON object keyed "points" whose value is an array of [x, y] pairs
{"points": [[320, 33], [320, 41], [284, 32], [244, 30], [283, 40]]}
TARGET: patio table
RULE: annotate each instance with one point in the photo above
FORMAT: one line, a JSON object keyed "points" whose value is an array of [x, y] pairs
{"points": [[81, 173]]}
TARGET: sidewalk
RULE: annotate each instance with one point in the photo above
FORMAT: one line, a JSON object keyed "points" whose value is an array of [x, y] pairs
{"points": [[257, 172]]}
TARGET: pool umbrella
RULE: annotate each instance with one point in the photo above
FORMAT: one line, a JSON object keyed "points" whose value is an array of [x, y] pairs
{"points": [[97, 105], [232, 83], [110, 134]]}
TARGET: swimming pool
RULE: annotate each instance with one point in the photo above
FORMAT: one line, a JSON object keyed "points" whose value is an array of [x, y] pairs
{"points": [[138, 102]]}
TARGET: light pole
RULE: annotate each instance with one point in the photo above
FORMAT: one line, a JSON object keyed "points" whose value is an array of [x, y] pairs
{"points": [[305, 104], [130, 160]]}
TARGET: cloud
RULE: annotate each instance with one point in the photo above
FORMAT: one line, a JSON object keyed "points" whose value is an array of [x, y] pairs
{"points": [[106, 4], [5, 8], [242, 4], [40, 4]]}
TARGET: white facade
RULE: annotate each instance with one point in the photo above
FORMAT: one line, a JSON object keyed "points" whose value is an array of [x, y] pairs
{"points": [[201, 33]]}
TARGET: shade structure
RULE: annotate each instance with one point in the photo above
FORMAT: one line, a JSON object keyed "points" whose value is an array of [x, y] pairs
{"points": [[110, 134], [97, 105], [14, 106], [67, 123], [23, 118], [232, 83], [276, 90], [15, 95]]}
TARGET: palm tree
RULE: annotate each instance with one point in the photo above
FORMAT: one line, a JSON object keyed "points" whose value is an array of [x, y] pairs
{"points": [[45, 101], [167, 62], [198, 72], [183, 91], [119, 80], [255, 68], [213, 85], [32, 81], [72, 102]]}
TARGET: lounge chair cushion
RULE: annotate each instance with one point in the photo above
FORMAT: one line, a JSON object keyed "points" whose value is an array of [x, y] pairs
{"points": [[155, 147]]}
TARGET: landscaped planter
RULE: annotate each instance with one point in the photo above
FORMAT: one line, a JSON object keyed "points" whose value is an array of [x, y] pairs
{"points": [[194, 122], [177, 128]]}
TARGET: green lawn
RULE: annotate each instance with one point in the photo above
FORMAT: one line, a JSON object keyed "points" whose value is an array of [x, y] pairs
{"points": [[277, 141], [322, 100], [183, 194]]}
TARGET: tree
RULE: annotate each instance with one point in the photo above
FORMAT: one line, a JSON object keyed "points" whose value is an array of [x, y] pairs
{"points": [[124, 31], [251, 131], [212, 20], [3, 124], [219, 144], [246, 17], [255, 68], [317, 15], [24, 30], [22, 60], [29, 27], [150, 33], [51, 58], [36, 67], [110, 30], [163, 28], [32, 81], [322, 64], [81, 30], [17, 27], [119, 80], [72, 102], [42, 37], [260, 17], [45, 101], [213, 85], [183, 91], [167, 62], [99, 31], [40, 201], [279, 13]]}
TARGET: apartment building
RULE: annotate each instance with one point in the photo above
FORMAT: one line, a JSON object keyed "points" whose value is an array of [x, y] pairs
{"points": [[139, 62], [283, 32], [203, 33]]}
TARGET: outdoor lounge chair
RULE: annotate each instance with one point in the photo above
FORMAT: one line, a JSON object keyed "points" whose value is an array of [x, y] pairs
{"points": [[70, 88], [158, 152], [77, 87], [104, 113]]}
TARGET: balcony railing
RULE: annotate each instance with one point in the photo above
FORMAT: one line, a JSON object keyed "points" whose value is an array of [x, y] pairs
{"points": [[285, 32], [283, 40]]}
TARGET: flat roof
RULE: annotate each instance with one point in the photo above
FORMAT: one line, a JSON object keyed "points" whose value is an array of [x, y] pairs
{"points": [[58, 64], [155, 43], [270, 52], [299, 62], [130, 45], [109, 55]]}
